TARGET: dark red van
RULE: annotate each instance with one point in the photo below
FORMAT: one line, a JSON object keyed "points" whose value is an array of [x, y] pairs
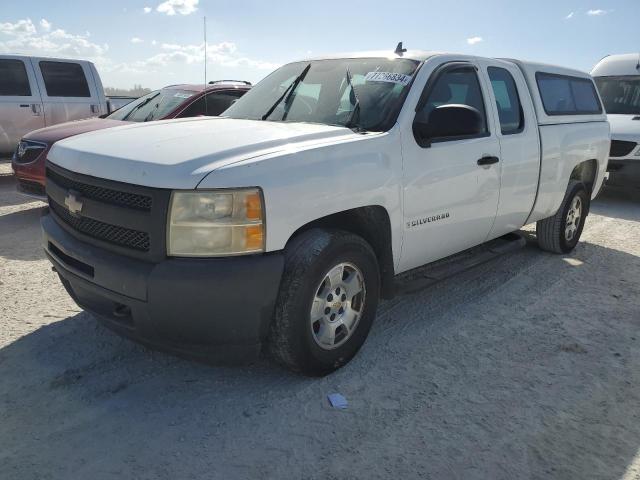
{"points": [[175, 101]]}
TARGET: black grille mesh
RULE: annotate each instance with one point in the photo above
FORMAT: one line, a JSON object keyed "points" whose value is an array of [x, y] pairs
{"points": [[103, 231], [30, 155], [107, 195], [620, 148]]}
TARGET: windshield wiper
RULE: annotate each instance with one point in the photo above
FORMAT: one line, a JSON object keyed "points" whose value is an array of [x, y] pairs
{"points": [[287, 93], [139, 106], [356, 127]]}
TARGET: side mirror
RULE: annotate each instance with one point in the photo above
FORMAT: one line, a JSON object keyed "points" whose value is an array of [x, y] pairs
{"points": [[449, 121]]}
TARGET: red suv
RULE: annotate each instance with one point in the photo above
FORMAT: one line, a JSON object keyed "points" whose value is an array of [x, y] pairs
{"points": [[175, 101]]}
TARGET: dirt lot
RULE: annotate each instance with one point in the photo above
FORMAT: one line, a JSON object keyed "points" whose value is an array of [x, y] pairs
{"points": [[526, 367]]}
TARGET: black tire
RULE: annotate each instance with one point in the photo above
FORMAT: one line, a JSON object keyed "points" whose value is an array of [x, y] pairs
{"points": [[308, 258], [551, 231]]}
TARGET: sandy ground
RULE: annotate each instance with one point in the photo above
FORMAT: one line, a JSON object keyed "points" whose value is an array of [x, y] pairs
{"points": [[527, 367]]}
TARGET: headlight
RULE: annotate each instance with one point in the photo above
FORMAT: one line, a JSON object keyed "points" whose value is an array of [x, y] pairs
{"points": [[215, 223]]}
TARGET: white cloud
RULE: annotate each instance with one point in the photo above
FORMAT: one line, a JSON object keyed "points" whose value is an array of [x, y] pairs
{"points": [[183, 7], [570, 16], [223, 54], [153, 42], [147, 9], [52, 43], [21, 27], [136, 40], [597, 12], [45, 25], [474, 40]]}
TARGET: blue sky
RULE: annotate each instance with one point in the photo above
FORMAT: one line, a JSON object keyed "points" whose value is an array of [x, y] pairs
{"points": [[159, 42]]}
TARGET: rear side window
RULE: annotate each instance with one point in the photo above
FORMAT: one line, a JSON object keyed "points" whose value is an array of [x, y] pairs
{"points": [[14, 81], [64, 79], [565, 95], [507, 100], [216, 103]]}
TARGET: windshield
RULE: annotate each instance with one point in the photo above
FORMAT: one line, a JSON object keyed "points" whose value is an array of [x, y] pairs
{"points": [[620, 94], [362, 93], [153, 106]]}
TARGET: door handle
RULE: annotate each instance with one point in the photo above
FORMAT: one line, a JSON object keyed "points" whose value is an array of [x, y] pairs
{"points": [[488, 161], [95, 108], [35, 108]]}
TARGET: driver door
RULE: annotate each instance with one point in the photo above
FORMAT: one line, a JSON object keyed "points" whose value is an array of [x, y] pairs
{"points": [[451, 191]]}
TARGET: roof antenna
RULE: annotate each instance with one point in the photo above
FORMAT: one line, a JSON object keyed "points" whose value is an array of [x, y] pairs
{"points": [[399, 49], [206, 107]]}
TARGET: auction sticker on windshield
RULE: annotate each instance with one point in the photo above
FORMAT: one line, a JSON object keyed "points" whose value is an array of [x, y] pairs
{"points": [[399, 78]]}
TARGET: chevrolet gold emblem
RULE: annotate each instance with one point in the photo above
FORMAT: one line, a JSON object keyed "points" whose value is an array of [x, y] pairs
{"points": [[73, 202]]}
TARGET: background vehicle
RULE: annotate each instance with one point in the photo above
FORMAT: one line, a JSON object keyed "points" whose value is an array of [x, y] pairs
{"points": [[284, 221], [618, 79], [175, 101], [37, 92]]}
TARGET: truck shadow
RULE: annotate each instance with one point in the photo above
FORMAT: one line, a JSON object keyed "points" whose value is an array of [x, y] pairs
{"points": [[20, 234], [618, 202], [494, 373]]}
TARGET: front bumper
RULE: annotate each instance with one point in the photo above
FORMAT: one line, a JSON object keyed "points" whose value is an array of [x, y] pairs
{"points": [[216, 309], [30, 176], [624, 172]]}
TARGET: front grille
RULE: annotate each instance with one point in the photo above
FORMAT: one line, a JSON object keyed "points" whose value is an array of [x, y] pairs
{"points": [[620, 148], [124, 218], [30, 155], [124, 237], [30, 188], [107, 195]]}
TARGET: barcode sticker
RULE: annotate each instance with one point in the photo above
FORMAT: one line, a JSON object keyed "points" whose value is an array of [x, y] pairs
{"points": [[388, 77]]}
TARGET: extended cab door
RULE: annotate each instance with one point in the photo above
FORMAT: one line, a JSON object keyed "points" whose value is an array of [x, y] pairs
{"points": [[517, 129], [451, 185], [20, 103], [68, 90]]}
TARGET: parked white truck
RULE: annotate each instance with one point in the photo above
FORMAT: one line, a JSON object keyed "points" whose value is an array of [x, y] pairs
{"points": [[37, 92], [282, 223], [618, 79]]}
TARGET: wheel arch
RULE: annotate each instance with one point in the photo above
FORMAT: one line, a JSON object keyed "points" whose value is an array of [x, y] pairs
{"points": [[373, 224], [586, 172]]}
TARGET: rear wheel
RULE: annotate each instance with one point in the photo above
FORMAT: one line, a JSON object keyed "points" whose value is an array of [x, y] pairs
{"points": [[560, 233], [327, 301]]}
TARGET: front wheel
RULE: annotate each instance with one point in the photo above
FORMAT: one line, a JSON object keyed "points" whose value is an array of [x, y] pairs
{"points": [[327, 301], [560, 233]]}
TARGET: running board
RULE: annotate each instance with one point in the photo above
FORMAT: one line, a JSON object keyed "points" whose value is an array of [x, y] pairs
{"points": [[423, 277]]}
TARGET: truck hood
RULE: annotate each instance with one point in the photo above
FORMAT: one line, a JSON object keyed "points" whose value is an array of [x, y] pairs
{"points": [[180, 153], [57, 132], [625, 127]]}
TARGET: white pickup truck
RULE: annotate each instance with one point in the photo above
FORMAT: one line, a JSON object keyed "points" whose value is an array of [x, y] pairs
{"points": [[280, 225], [37, 92]]}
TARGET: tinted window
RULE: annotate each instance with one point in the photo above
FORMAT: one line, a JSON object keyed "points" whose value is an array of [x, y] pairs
{"points": [[620, 94], [216, 103], [62, 79], [564, 95], [13, 79], [459, 86], [507, 100]]}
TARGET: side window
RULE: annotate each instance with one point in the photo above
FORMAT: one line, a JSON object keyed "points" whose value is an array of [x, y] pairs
{"points": [[195, 109], [14, 81], [507, 100], [64, 79], [218, 102], [455, 87], [565, 95]]}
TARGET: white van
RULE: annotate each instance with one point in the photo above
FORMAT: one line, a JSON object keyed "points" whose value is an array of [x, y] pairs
{"points": [[37, 92], [618, 79]]}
